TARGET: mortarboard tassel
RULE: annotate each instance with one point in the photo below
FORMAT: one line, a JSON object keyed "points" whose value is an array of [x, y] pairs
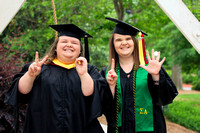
{"points": [[141, 54], [86, 49], [143, 46]]}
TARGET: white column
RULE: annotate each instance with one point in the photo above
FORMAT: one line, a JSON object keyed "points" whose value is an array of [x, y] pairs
{"points": [[184, 20], [8, 9]]}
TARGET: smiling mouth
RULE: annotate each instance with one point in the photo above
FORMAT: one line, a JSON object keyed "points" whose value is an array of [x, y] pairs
{"points": [[70, 50], [125, 48]]}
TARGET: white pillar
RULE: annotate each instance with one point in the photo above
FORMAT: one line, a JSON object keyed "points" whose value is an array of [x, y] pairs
{"points": [[184, 20], [8, 9]]}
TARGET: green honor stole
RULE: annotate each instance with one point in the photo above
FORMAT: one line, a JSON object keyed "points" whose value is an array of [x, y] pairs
{"points": [[143, 103], [143, 106]]}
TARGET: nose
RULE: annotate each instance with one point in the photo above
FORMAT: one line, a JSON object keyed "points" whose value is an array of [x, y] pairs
{"points": [[69, 44], [124, 42]]}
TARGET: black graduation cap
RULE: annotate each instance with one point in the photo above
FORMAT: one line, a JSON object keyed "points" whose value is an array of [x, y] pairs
{"points": [[73, 31], [124, 28]]}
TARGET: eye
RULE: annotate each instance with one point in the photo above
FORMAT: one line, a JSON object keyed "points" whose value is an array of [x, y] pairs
{"points": [[118, 40], [63, 41], [129, 38], [75, 42]]}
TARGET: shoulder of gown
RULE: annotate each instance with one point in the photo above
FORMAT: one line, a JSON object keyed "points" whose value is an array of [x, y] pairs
{"points": [[13, 96], [165, 92]]}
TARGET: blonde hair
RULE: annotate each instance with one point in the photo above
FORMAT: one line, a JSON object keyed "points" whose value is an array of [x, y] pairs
{"points": [[113, 54]]}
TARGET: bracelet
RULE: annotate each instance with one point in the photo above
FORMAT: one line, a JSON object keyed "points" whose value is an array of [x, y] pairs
{"points": [[156, 82]]}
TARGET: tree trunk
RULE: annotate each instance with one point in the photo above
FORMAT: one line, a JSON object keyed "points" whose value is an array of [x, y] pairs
{"points": [[118, 4], [176, 76]]}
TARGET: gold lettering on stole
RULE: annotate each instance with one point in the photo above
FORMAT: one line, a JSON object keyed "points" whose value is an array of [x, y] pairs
{"points": [[141, 111]]}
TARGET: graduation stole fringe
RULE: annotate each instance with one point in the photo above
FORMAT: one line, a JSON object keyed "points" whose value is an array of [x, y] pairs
{"points": [[67, 66], [142, 55]]}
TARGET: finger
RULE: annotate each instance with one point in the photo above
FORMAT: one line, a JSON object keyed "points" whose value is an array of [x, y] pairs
{"points": [[143, 66], [152, 53], [113, 64], [36, 57], [162, 61], [79, 62], [31, 68], [148, 57], [43, 60], [158, 57], [34, 69], [109, 78]]}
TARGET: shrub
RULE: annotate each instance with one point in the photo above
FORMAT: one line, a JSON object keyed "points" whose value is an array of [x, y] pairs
{"points": [[11, 63], [185, 110]]}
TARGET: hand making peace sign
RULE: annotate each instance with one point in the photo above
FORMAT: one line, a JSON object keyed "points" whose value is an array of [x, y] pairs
{"points": [[35, 68]]}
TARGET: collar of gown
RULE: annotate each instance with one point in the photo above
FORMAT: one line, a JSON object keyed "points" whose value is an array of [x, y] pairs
{"points": [[67, 66]]}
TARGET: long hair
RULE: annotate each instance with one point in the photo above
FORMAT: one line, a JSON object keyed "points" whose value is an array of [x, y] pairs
{"points": [[113, 54], [52, 53]]}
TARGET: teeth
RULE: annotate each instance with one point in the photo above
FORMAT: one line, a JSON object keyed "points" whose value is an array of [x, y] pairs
{"points": [[125, 48], [68, 50]]}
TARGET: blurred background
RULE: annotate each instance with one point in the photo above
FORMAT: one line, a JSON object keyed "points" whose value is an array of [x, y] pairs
{"points": [[29, 31]]}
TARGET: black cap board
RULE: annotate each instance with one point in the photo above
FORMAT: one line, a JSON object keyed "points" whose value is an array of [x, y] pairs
{"points": [[124, 28], [73, 31]]}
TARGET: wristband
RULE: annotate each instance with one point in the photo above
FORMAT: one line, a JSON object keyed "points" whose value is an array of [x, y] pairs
{"points": [[156, 82]]}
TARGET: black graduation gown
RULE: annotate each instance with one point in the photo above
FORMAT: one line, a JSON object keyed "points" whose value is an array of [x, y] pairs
{"points": [[56, 103], [162, 94]]}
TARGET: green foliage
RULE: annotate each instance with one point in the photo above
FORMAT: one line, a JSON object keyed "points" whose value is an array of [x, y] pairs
{"points": [[32, 21], [192, 78], [196, 84], [169, 72], [188, 78], [34, 17], [185, 110], [33, 33]]}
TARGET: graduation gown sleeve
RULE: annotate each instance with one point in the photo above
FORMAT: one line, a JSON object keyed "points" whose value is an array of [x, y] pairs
{"points": [[108, 102], [13, 96], [56, 102], [93, 102], [165, 92]]}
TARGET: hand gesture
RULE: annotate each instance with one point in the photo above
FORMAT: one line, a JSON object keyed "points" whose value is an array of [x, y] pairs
{"points": [[35, 68], [112, 76], [154, 65], [81, 65]]}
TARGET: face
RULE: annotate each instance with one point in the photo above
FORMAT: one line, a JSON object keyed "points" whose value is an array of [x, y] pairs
{"points": [[123, 44], [68, 49]]}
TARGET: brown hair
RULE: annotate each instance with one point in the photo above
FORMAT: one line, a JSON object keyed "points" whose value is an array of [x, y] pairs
{"points": [[113, 53], [52, 53]]}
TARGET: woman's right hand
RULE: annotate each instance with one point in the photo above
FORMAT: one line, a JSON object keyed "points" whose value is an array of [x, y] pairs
{"points": [[112, 77], [35, 68]]}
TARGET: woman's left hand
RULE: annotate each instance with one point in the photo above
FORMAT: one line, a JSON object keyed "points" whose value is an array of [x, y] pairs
{"points": [[154, 65], [81, 65]]}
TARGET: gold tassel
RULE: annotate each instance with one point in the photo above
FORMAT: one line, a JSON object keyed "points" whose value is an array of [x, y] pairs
{"points": [[141, 55]]}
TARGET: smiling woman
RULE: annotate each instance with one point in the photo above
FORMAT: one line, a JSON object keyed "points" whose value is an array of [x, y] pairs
{"points": [[62, 90], [68, 48], [124, 45], [136, 91]]}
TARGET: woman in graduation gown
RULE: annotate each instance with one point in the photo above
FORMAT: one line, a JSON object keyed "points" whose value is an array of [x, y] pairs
{"points": [[136, 90], [62, 90]]}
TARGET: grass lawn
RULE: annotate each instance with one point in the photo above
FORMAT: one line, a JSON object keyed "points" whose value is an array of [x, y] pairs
{"points": [[185, 110]]}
